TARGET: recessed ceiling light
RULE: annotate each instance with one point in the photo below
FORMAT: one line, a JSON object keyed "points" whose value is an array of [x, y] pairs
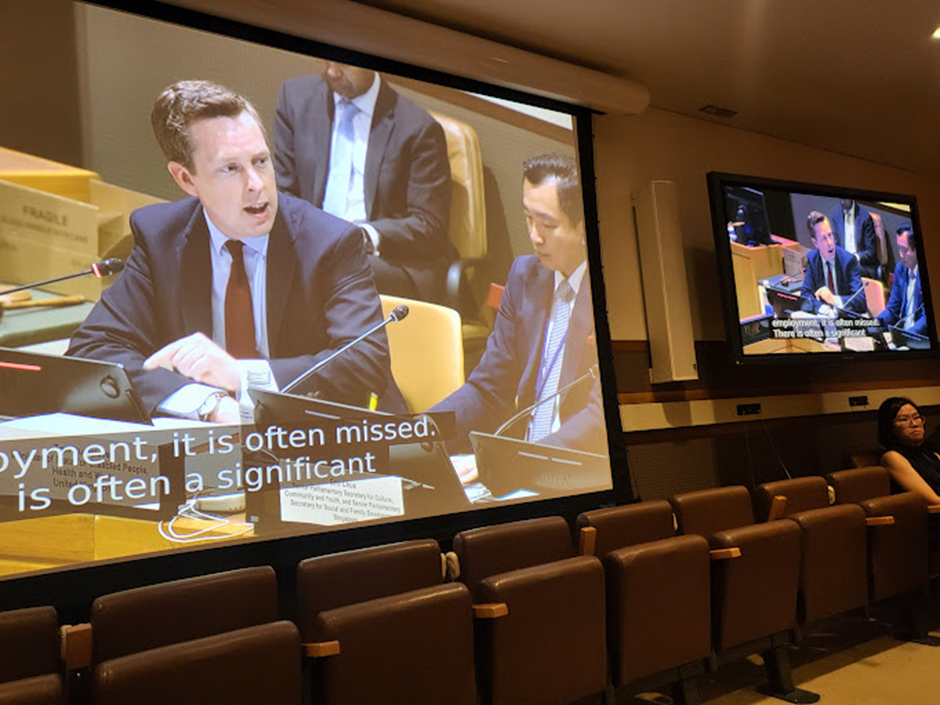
{"points": [[936, 33]]}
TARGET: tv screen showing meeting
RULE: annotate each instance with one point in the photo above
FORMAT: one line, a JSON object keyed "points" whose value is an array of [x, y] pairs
{"points": [[291, 293], [810, 270]]}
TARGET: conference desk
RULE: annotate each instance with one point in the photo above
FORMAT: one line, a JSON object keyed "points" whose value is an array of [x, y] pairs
{"points": [[29, 326], [57, 541]]}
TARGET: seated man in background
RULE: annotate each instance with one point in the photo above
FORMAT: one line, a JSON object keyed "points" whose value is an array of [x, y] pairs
{"points": [[905, 307], [854, 229], [349, 144], [236, 284], [833, 277], [543, 338]]}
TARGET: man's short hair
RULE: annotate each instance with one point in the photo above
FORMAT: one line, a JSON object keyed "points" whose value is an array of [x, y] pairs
{"points": [[186, 102], [812, 220], [563, 172], [911, 236]]}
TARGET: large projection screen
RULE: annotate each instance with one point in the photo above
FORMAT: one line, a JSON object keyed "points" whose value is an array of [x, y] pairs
{"points": [[98, 465]]}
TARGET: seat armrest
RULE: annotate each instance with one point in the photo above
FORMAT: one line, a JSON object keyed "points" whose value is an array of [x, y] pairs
{"points": [[933, 508], [490, 610], [587, 540], [879, 521], [76, 646], [722, 554], [778, 507], [321, 649]]}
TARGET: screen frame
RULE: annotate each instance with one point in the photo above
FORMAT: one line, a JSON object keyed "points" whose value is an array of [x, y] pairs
{"points": [[717, 182], [72, 589]]}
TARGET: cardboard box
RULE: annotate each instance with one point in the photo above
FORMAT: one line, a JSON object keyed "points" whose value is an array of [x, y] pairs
{"points": [[46, 175], [44, 235]]}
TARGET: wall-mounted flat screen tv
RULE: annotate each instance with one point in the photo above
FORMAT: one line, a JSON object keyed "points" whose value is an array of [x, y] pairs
{"points": [[811, 270], [356, 189]]}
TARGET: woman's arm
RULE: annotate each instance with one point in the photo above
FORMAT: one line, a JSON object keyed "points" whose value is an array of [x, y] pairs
{"points": [[903, 473]]}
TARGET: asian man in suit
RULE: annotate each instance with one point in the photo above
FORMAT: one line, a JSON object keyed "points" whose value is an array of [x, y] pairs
{"points": [[905, 308], [236, 284], [543, 338], [348, 143], [833, 277]]}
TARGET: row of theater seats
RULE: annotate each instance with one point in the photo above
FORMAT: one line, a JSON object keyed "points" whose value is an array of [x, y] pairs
{"points": [[649, 595]]}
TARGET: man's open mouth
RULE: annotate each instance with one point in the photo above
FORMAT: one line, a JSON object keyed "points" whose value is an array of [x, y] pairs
{"points": [[257, 210]]}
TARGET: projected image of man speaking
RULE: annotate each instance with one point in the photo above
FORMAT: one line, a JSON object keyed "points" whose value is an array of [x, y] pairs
{"points": [[236, 283], [543, 338]]}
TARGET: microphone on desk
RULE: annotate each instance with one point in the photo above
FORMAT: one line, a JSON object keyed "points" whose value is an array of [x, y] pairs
{"points": [[399, 313], [104, 268], [529, 410]]}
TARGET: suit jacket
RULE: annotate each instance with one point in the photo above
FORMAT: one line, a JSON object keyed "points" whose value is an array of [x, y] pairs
{"points": [[849, 281], [866, 240], [894, 310], [320, 295], [406, 181], [505, 379]]}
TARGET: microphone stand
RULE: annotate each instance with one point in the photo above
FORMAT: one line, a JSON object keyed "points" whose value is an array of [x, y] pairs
{"points": [[592, 373]]}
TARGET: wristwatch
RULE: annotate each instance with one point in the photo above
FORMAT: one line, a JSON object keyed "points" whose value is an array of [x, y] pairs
{"points": [[209, 406], [367, 241]]}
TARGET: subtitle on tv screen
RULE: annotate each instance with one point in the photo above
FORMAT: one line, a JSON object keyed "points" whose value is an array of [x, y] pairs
{"points": [[316, 297]]}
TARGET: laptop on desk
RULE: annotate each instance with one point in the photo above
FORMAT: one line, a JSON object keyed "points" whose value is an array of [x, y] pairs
{"points": [[36, 383]]}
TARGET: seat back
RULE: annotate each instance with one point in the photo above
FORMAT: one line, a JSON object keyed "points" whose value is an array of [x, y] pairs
{"points": [[874, 295], [802, 493], [426, 350], [260, 664], [158, 615], [628, 525], [491, 550], [857, 485], [706, 512], [467, 204], [340, 579], [29, 642]]}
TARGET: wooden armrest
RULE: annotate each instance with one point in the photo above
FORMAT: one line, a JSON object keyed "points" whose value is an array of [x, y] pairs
{"points": [[76, 646], [320, 649], [722, 554], [778, 506], [933, 508], [831, 491], [879, 521], [587, 540], [490, 610]]}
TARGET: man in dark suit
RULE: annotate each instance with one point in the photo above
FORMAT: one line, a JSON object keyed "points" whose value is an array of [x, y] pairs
{"points": [[346, 142], [236, 284], [905, 308], [833, 277], [854, 231], [543, 338]]}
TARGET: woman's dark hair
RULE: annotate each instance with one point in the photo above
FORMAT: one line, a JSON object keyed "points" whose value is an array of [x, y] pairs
{"points": [[887, 413]]}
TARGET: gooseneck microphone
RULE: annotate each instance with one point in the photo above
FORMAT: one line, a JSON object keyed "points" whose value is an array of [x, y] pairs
{"points": [[398, 314], [590, 374], [104, 268]]}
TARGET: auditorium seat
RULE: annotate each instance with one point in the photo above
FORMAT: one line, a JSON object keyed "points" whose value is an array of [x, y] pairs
{"points": [[540, 634], [381, 627], [833, 555], [260, 664], [658, 598], [30, 670], [755, 578], [897, 537], [148, 617]]}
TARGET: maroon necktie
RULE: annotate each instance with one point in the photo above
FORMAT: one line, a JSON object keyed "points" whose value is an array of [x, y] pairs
{"points": [[239, 315], [829, 282]]}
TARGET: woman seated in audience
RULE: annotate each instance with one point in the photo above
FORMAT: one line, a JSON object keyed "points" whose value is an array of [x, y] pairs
{"points": [[909, 455]]}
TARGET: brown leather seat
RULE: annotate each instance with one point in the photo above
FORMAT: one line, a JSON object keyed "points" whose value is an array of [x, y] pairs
{"points": [[754, 581], [897, 551], [260, 664], [658, 597], [30, 665], [541, 632], [168, 613], [383, 628], [834, 549]]}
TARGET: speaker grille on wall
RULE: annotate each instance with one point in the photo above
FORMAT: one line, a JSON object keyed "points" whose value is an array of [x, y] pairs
{"points": [[665, 287]]}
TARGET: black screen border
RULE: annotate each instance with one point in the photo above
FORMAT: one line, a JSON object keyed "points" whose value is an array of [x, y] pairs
{"points": [[72, 589], [717, 182]]}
